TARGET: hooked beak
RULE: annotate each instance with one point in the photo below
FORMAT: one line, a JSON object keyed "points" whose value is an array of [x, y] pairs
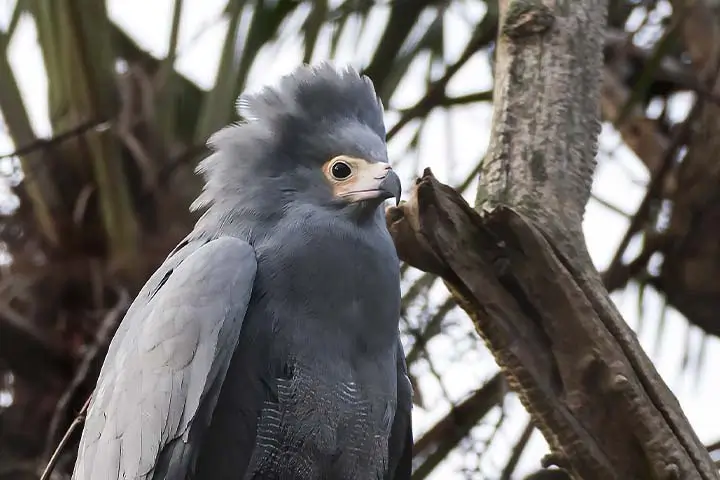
{"points": [[376, 180], [390, 186]]}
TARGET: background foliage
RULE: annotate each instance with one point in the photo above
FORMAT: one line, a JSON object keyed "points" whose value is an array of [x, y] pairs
{"points": [[99, 175]]}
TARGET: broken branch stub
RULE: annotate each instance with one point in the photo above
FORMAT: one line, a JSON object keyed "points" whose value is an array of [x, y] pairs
{"points": [[591, 401]]}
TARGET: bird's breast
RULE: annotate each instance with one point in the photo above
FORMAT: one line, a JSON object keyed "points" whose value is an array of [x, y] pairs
{"points": [[327, 305], [315, 428], [341, 290]]}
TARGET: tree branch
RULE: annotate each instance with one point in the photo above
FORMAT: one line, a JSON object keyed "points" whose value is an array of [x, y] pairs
{"points": [[689, 271], [517, 451], [605, 415], [521, 269], [441, 439]]}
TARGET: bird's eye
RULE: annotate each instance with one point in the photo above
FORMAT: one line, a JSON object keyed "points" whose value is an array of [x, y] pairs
{"points": [[340, 170]]}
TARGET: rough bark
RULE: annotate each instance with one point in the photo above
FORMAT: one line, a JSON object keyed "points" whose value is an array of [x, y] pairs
{"points": [[520, 267]]}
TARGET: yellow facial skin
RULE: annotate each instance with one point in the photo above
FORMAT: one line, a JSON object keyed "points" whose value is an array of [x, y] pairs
{"points": [[355, 179]]}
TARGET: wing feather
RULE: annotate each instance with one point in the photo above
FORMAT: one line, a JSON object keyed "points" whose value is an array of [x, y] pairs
{"points": [[173, 346], [401, 438]]}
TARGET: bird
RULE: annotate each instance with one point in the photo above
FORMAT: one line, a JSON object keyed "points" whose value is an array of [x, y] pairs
{"points": [[267, 345]]}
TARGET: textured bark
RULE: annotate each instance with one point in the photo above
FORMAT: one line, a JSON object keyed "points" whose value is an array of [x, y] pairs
{"points": [[521, 270]]}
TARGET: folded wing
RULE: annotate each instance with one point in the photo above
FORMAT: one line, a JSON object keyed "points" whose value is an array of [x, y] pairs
{"points": [[164, 368]]}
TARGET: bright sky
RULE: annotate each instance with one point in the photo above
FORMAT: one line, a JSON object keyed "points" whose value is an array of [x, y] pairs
{"points": [[451, 144]]}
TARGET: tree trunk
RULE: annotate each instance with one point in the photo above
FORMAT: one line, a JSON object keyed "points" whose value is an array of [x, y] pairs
{"points": [[519, 266]]}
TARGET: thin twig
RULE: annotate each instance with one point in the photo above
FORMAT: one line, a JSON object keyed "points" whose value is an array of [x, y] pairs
{"points": [[434, 445], [713, 446], [653, 191], [102, 337], [429, 330], [80, 418], [42, 143], [436, 96], [610, 206], [431, 101], [30, 330], [517, 452]]}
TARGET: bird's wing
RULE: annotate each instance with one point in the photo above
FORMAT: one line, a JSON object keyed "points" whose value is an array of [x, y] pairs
{"points": [[401, 438], [165, 365]]}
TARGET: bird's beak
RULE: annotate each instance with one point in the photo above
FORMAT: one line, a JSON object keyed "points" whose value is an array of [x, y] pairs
{"points": [[390, 186], [375, 180]]}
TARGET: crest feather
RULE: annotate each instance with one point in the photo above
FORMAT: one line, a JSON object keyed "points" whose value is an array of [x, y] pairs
{"points": [[313, 93], [278, 121]]}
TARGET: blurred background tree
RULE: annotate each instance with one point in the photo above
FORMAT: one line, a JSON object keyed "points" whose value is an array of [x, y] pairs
{"points": [[106, 107]]}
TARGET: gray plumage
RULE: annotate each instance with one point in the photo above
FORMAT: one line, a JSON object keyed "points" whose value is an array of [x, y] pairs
{"points": [[266, 346]]}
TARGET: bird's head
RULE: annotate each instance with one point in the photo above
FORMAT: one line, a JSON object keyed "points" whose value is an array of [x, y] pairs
{"points": [[316, 140]]}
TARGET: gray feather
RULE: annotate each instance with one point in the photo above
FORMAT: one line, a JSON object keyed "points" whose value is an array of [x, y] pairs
{"points": [[312, 113], [315, 385], [401, 438], [173, 346]]}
